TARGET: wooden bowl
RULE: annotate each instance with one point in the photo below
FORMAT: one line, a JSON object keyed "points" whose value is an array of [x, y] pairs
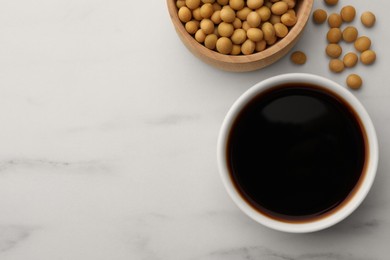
{"points": [[244, 63]]}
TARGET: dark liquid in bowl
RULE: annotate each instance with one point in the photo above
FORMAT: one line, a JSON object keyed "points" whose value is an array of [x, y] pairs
{"points": [[296, 152]]}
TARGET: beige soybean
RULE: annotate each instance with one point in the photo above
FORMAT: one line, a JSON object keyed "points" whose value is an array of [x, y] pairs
{"points": [[268, 31], [253, 19], [368, 19], [350, 60], [208, 1], [279, 8], [237, 23], [239, 36], [217, 7], [292, 12], [228, 15], [185, 14], [180, 3], [248, 47], [298, 57], [225, 29], [206, 10], [196, 14], [237, 4], [200, 36], [335, 21], [272, 40], [319, 16], [245, 26], [216, 17], [336, 66], [261, 45], [354, 81], [348, 13], [265, 13], [236, 50], [334, 35], [368, 57], [291, 3], [192, 26], [192, 4], [207, 26], [334, 50], [275, 19], [255, 34], [243, 13], [289, 19], [331, 2], [254, 4], [210, 41], [224, 45], [350, 34], [280, 30], [362, 43]]}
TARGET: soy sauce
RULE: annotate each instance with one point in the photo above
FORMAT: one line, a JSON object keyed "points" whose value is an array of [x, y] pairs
{"points": [[296, 152]]}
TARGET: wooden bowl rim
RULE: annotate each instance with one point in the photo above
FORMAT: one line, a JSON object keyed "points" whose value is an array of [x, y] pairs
{"points": [[274, 49]]}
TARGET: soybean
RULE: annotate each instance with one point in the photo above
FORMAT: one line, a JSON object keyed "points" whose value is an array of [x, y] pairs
{"points": [[336, 66], [350, 60], [228, 15], [265, 13], [298, 58], [348, 13], [210, 41], [239, 36], [248, 47], [192, 26], [368, 19], [350, 34], [255, 34], [225, 29], [184, 14], [224, 45], [334, 50], [192, 4], [335, 21], [253, 19], [280, 30], [334, 35], [254, 4], [237, 4], [279, 8], [363, 43], [331, 2], [354, 81], [207, 26], [319, 16], [368, 57]]}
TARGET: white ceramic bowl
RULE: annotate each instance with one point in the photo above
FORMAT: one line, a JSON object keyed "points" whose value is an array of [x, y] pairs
{"points": [[339, 214]]}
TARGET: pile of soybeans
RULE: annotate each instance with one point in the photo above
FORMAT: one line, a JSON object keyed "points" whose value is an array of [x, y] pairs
{"points": [[237, 27]]}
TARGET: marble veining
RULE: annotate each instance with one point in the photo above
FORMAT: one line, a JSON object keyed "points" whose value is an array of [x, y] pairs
{"points": [[11, 236], [28, 164], [253, 253]]}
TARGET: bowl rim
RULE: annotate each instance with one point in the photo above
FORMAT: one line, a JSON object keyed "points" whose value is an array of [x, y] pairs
{"points": [[296, 30], [341, 213]]}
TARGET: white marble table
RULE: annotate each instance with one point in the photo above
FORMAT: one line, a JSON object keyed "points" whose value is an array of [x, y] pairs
{"points": [[108, 140]]}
